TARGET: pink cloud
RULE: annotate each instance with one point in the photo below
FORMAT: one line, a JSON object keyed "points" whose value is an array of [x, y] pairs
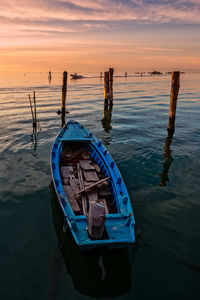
{"points": [[101, 10]]}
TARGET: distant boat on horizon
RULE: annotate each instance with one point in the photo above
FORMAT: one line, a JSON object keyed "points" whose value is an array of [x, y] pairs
{"points": [[76, 76]]}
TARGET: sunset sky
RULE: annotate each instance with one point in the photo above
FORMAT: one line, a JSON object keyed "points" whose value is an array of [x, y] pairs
{"points": [[87, 35]]}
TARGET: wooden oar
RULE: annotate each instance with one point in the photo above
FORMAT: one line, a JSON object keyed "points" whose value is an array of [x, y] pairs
{"points": [[92, 185]]}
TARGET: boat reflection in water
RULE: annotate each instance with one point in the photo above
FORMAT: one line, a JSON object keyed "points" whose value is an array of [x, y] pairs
{"points": [[99, 273]]}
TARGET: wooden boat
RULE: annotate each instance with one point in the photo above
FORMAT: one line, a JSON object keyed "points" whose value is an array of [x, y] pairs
{"points": [[76, 76], [90, 189]]}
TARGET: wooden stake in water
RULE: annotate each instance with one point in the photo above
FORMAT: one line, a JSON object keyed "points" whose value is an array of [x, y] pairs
{"points": [[111, 71], [49, 77], [31, 108], [175, 85], [34, 113], [63, 101], [106, 88]]}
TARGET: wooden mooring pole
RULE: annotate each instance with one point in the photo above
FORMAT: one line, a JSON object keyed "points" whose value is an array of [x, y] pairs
{"points": [[33, 112], [175, 85], [111, 71], [63, 100], [35, 121], [49, 76], [106, 88]]}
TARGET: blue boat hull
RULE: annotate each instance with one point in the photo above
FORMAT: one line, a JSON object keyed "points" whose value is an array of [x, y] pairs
{"points": [[119, 225]]}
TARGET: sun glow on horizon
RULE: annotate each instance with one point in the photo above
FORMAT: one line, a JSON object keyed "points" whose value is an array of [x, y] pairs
{"points": [[87, 36]]}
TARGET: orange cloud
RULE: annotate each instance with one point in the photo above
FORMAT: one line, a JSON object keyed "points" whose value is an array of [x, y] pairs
{"points": [[90, 34]]}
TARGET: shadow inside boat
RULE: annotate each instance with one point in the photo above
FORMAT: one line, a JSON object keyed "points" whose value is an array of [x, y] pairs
{"points": [[98, 273]]}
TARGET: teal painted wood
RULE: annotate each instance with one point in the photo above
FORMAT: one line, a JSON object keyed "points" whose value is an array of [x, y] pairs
{"points": [[119, 226]]}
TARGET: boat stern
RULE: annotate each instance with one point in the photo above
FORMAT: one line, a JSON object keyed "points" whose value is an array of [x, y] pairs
{"points": [[118, 232]]}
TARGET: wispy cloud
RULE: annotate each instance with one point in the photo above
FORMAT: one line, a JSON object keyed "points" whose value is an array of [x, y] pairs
{"points": [[102, 10], [71, 26], [54, 17]]}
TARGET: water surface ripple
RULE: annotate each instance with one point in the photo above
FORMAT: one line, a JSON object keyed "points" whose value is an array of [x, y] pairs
{"points": [[162, 177]]}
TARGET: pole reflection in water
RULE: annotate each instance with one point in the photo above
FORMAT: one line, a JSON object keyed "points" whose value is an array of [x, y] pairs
{"points": [[34, 140], [167, 155], [63, 119], [99, 273], [107, 117]]}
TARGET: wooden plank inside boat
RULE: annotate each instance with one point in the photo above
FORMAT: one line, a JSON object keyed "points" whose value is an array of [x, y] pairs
{"points": [[98, 170], [73, 185], [71, 198], [92, 195], [66, 171], [81, 182], [90, 175], [89, 186], [87, 165]]}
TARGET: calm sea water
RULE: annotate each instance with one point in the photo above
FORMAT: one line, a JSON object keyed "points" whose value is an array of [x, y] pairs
{"points": [[39, 261]]}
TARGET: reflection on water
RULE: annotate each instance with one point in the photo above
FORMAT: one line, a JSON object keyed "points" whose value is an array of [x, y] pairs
{"points": [[107, 116], [167, 155], [63, 122], [34, 140], [99, 273], [167, 217], [107, 140], [106, 121]]}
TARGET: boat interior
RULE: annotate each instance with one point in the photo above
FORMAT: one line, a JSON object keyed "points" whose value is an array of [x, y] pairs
{"points": [[83, 179]]}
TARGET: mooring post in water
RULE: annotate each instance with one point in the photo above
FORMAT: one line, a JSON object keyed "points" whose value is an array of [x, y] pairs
{"points": [[126, 74], [64, 91], [33, 118], [49, 76], [111, 71], [63, 101], [175, 85], [106, 88], [35, 112]]}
